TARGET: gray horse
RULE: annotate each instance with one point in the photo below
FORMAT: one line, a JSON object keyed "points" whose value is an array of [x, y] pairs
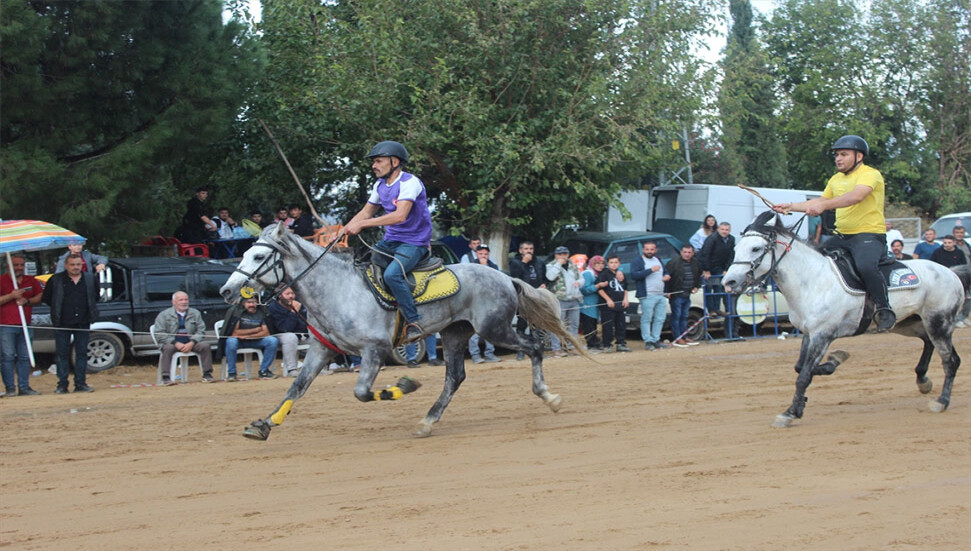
{"points": [[344, 311], [821, 308]]}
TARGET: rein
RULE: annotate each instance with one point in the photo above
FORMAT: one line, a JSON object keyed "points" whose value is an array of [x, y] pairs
{"points": [[771, 240], [277, 258]]}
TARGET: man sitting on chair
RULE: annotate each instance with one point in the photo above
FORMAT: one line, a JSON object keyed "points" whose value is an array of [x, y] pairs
{"points": [[181, 329], [408, 226], [248, 329], [288, 315]]}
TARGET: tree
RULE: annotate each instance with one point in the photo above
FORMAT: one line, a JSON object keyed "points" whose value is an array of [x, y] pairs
{"points": [[111, 109], [519, 115], [747, 103]]}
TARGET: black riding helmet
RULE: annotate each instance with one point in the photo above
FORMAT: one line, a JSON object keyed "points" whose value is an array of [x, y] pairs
{"points": [[855, 143], [389, 149]]}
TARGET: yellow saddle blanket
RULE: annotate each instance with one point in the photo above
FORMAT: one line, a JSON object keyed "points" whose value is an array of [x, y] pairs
{"points": [[429, 286]]}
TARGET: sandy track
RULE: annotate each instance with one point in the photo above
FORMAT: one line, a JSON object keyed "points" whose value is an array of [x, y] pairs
{"points": [[652, 450]]}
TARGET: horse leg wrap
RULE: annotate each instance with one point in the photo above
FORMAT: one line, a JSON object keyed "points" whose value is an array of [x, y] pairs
{"points": [[282, 413], [406, 385]]}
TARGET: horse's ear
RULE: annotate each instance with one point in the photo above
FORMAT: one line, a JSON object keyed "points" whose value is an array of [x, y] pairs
{"points": [[279, 233], [760, 221]]}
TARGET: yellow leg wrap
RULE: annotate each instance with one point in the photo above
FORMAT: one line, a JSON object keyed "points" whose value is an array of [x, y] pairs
{"points": [[282, 413], [392, 393]]}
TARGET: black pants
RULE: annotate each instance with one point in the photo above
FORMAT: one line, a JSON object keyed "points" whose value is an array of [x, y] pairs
{"points": [[867, 250], [588, 328], [613, 322]]}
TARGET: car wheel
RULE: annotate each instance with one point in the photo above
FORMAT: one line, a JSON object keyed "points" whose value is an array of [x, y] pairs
{"points": [[105, 350], [400, 355], [698, 333]]}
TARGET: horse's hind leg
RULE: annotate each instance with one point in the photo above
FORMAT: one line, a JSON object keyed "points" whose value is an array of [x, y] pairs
{"points": [[813, 349], [317, 358], [455, 340], [940, 334], [503, 335], [924, 384]]}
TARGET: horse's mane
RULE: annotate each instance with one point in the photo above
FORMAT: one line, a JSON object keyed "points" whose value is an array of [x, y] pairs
{"points": [[761, 225]]}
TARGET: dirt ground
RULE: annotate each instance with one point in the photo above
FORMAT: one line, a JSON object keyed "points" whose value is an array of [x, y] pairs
{"points": [[652, 450]]}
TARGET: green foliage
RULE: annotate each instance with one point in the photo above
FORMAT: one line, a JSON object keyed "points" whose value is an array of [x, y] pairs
{"points": [[110, 109], [518, 114]]}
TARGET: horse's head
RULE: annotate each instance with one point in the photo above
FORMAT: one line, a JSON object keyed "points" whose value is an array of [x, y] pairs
{"points": [[261, 266], [755, 253]]}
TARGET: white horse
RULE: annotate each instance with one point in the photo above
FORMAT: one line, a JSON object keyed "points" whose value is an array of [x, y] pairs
{"points": [[820, 307]]}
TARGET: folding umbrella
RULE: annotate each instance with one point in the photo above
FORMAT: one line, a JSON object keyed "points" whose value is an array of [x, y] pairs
{"points": [[32, 235]]}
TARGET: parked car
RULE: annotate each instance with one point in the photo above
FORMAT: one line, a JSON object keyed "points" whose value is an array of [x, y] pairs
{"points": [[133, 292], [945, 224]]}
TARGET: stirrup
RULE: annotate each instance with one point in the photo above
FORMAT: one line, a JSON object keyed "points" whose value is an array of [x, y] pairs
{"points": [[885, 318], [413, 332]]}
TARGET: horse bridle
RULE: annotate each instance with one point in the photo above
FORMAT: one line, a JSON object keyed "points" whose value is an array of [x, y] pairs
{"points": [[272, 263], [771, 241]]}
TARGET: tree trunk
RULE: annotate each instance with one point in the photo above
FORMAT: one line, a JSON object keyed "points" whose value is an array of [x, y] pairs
{"points": [[499, 234]]}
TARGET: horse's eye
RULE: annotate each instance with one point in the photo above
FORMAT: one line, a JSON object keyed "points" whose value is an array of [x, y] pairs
{"points": [[259, 257], [756, 249]]}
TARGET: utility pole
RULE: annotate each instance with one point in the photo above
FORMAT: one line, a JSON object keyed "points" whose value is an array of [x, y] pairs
{"points": [[678, 176]]}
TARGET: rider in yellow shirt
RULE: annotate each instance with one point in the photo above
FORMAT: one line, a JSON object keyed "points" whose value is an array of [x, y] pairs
{"points": [[856, 192]]}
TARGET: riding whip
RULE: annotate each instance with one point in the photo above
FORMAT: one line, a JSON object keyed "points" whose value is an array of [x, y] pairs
{"points": [[292, 173], [757, 194]]}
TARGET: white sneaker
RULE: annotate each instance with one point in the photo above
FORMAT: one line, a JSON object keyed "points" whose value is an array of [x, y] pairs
{"points": [[961, 323]]}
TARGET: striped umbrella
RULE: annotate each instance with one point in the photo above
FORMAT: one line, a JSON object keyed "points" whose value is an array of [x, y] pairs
{"points": [[34, 235]]}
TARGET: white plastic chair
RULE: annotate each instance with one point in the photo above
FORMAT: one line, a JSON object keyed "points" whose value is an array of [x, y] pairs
{"points": [[180, 362], [244, 352]]}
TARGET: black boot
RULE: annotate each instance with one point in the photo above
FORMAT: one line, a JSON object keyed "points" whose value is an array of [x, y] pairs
{"points": [[885, 318]]}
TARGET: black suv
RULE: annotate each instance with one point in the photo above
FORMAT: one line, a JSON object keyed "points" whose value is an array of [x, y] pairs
{"points": [[133, 292]]}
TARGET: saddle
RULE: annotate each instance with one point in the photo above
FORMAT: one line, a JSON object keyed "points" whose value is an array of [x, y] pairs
{"points": [[429, 281], [898, 276]]}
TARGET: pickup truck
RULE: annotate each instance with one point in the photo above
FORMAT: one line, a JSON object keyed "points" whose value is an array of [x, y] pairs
{"points": [[133, 292]]}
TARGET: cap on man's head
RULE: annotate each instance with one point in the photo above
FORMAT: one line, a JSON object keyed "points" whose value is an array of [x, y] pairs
{"points": [[562, 249], [482, 247]]}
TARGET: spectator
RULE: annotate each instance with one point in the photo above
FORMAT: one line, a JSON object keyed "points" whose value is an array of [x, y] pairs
{"points": [[195, 224], [564, 281], [248, 328], [527, 267], [482, 257], [224, 223], [73, 298], [892, 234], [717, 255], [685, 279], [612, 311], [707, 228], [431, 342], [590, 311], [470, 256], [897, 249], [926, 248], [257, 218], [302, 224], [649, 275], [288, 318], [14, 358], [948, 254], [282, 216], [960, 243], [90, 262], [182, 329], [827, 225]]}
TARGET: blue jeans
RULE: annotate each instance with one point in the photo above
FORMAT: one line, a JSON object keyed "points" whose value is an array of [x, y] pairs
{"points": [[411, 350], [680, 307], [653, 311], [267, 344], [13, 352], [62, 346], [396, 272], [490, 350], [715, 293], [570, 312]]}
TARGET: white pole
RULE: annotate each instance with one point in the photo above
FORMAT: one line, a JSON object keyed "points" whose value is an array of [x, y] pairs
{"points": [[23, 321]]}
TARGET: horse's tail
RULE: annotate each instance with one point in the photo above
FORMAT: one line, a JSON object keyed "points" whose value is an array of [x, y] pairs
{"points": [[964, 274], [541, 309]]}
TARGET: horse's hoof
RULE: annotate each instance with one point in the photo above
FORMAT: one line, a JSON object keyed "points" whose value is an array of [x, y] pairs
{"points": [[838, 356], [257, 430], [936, 406], [925, 386], [782, 420], [555, 403], [408, 385], [424, 430]]}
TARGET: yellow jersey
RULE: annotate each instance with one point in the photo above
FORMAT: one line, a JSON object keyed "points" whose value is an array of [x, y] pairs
{"points": [[865, 216]]}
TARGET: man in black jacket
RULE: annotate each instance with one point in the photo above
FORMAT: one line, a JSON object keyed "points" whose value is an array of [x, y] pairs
{"points": [[531, 270], [685, 272], [290, 328], [73, 298], [717, 255]]}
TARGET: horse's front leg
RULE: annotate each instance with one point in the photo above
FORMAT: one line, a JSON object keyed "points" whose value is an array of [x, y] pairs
{"points": [[812, 351], [370, 366], [317, 358]]}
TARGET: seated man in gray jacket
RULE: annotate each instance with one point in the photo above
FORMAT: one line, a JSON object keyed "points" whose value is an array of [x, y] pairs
{"points": [[182, 329]]}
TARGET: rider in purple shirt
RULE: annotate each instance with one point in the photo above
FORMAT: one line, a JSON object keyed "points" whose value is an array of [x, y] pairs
{"points": [[408, 226]]}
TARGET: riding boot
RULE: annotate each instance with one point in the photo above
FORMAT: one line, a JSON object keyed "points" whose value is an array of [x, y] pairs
{"points": [[885, 318]]}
